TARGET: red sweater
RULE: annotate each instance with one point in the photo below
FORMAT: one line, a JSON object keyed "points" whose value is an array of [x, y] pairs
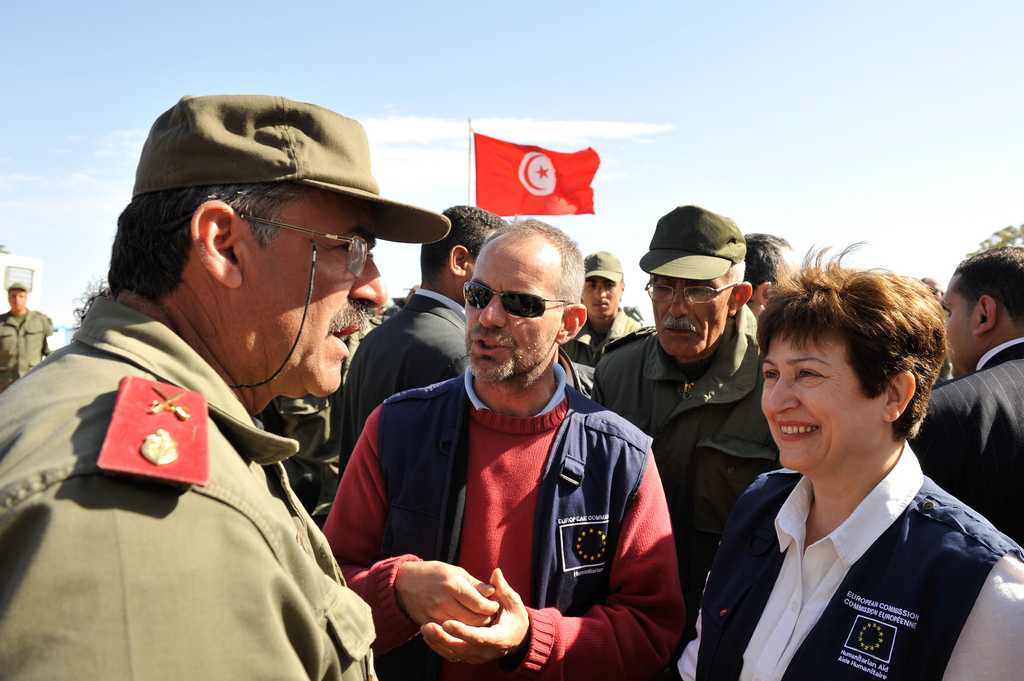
{"points": [[629, 637]]}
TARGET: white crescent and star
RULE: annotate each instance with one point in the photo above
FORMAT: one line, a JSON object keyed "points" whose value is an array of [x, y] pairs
{"points": [[537, 174]]}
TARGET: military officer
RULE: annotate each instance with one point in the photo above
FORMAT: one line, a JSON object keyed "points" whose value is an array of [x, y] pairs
{"points": [[147, 528], [694, 384], [23, 334]]}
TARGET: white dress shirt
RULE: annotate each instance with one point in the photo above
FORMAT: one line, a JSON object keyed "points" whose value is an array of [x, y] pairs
{"points": [[991, 643], [995, 351]]}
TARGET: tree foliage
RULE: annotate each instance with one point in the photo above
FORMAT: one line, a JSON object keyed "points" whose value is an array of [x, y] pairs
{"points": [[1008, 236]]}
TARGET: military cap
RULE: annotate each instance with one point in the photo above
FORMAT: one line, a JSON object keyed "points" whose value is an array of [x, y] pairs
{"points": [[242, 139], [603, 264], [693, 243]]}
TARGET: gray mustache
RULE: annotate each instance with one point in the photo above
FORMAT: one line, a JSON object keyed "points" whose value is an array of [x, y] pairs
{"points": [[357, 313], [678, 324]]}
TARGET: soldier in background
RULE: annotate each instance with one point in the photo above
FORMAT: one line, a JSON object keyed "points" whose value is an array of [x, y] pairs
{"points": [[23, 334], [606, 321]]}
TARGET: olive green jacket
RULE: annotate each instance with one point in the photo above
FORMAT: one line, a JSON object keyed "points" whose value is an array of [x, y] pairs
{"points": [[22, 346], [107, 576], [583, 349], [708, 447]]}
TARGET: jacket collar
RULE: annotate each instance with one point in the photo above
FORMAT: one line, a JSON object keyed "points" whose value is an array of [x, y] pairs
{"points": [[734, 372], [152, 347]]}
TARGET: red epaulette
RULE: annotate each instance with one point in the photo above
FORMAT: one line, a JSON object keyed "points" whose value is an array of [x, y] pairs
{"points": [[157, 431]]}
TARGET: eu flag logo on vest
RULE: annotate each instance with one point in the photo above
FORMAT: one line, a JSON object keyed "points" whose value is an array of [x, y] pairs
{"points": [[584, 544], [872, 638]]}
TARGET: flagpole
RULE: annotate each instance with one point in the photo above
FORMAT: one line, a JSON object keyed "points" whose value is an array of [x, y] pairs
{"points": [[469, 169]]}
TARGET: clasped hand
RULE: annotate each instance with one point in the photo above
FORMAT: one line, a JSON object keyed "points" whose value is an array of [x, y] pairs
{"points": [[461, 618]]}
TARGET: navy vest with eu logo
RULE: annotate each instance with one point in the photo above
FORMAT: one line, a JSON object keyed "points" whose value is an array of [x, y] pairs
{"points": [[896, 615], [591, 477]]}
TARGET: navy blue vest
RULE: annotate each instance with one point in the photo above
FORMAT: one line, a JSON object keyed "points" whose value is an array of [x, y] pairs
{"points": [[897, 614], [590, 479]]}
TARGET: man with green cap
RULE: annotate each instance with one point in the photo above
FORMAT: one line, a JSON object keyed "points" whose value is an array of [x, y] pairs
{"points": [[147, 527], [694, 384], [23, 334], [602, 293]]}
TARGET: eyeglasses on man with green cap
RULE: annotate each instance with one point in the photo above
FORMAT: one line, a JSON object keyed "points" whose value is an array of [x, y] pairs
{"points": [[358, 249], [694, 295]]}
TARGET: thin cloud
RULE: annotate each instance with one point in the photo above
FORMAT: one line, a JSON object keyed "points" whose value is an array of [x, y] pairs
{"points": [[564, 134]]}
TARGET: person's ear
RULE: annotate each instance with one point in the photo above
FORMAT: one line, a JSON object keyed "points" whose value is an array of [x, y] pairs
{"points": [[741, 293], [985, 316], [898, 395], [220, 237], [573, 319], [460, 262], [761, 293]]}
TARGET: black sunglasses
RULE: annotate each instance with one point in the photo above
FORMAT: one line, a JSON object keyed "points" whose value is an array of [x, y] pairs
{"points": [[516, 304]]}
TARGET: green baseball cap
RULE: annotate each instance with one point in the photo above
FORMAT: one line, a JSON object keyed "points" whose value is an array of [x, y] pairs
{"points": [[693, 243], [242, 139], [18, 286], [603, 264]]}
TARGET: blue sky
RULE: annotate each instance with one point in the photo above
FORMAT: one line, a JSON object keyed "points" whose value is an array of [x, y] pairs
{"points": [[897, 124]]}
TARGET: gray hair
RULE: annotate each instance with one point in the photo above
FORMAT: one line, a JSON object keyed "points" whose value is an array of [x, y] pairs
{"points": [[570, 286]]}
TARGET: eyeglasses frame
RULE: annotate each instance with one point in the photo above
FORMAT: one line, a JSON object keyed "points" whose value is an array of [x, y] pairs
{"points": [[683, 289], [356, 244]]}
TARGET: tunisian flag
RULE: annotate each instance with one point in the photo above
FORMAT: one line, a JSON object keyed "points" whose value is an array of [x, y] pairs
{"points": [[518, 179]]}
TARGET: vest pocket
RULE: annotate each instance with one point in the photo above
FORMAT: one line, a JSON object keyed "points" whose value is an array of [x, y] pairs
{"points": [[410, 530]]}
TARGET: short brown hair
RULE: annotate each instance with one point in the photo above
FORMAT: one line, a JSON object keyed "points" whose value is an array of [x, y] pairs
{"points": [[889, 324]]}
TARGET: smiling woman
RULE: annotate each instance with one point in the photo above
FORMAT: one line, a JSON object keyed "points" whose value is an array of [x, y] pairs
{"points": [[851, 561]]}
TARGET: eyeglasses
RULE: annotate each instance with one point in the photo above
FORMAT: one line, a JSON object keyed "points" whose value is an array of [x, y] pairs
{"points": [[694, 295], [516, 304], [358, 250]]}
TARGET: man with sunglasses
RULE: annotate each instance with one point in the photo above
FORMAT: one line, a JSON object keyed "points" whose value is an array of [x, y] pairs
{"points": [[147, 528], [694, 383], [506, 523]]}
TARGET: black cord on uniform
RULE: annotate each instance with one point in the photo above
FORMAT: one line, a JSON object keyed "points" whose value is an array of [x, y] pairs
{"points": [[309, 298]]}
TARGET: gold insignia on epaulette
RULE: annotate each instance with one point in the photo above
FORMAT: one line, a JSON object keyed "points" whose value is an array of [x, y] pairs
{"points": [[168, 405], [163, 438], [160, 447]]}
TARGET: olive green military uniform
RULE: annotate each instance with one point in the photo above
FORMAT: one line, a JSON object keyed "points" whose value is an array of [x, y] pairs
{"points": [[709, 446], [22, 344], [587, 348], [113, 576]]}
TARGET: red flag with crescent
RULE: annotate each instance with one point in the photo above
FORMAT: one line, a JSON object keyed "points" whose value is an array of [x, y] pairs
{"points": [[519, 179]]}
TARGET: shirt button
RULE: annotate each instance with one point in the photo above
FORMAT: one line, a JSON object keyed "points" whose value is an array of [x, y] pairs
{"points": [[792, 606]]}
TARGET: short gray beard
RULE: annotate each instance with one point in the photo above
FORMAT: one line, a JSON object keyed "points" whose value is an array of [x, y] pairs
{"points": [[487, 370]]}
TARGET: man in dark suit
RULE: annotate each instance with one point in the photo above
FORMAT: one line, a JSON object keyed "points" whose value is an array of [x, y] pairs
{"points": [[972, 441], [425, 341]]}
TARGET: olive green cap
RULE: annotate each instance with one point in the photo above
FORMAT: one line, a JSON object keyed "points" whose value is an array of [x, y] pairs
{"points": [[18, 286], [693, 243], [603, 264], [243, 139]]}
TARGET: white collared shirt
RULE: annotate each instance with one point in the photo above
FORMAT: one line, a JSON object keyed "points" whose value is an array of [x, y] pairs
{"points": [[990, 644], [995, 351], [556, 399], [455, 306]]}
